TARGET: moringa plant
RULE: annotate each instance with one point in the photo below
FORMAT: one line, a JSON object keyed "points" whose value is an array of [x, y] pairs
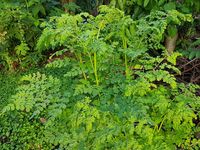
{"points": [[109, 92], [94, 42]]}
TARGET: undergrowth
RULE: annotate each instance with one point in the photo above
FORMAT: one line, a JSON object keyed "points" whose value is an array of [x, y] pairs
{"points": [[109, 94]]}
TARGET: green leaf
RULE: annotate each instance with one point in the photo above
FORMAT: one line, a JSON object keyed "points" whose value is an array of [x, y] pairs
{"points": [[192, 55], [198, 54], [146, 2], [170, 6], [172, 58]]}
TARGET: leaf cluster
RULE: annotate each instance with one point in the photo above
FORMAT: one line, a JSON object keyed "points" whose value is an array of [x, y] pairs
{"points": [[110, 93]]}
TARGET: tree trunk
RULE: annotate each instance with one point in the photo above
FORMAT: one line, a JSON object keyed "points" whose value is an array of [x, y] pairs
{"points": [[170, 43]]}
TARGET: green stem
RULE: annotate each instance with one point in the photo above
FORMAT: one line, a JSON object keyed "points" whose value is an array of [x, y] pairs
{"points": [[125, 58], [94, 66], [98, 33], [81, 66], [79, 57], [95, 62], [91, 60], [161, 124], [95, 69], [126, 64]]}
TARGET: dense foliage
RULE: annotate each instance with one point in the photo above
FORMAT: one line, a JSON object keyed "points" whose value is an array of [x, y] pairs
{"points": [[109, 85], [139, 8], [19, 31]]}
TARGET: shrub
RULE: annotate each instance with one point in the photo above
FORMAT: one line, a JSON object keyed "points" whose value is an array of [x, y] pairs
{"points": [[109, 93]]}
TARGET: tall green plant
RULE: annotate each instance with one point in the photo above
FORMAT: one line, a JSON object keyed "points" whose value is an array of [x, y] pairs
{"points": [[89, 42], [109, 93], [139, 8]]}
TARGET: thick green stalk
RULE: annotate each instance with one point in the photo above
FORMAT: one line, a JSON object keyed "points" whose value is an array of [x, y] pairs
{"points": [[79, 57], [95, 62], [161, 124], [81, 65], [89, 54], [95, 69], [94, 66]]}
